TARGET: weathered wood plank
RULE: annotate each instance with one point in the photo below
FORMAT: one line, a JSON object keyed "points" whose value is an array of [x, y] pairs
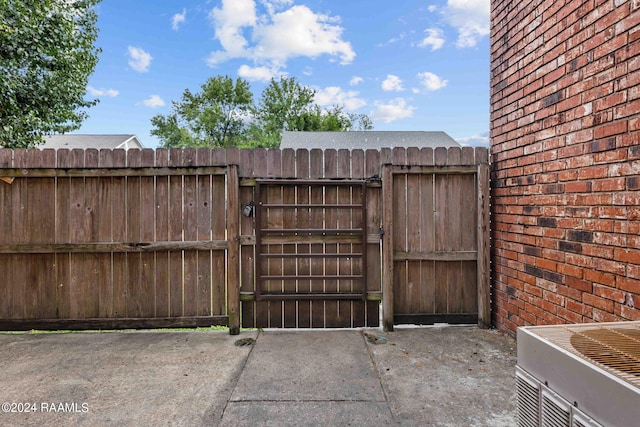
{"points": [[247, 252], [106, 323], [274, 220], [331, 163], [303, 194], [387, 249], [482, 233], [162, 268], [289, 265], [190, 258], [131, 171], [233, 235], [176, 268], [417, 255], [204, 227]]}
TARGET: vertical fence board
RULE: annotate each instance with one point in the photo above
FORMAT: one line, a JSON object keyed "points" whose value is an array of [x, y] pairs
{"points": [[247, 251], [303, 221], [220, 220], [331, 221], [401, 292], [274, 220], [427, 242], [176, 294], [358, 317], [482, 275], [233, 251], [415, 209], [162, 202], [387, 249], [205, 218], [289, 221], [374, 224], [343, 219], [260, 171], [316, 171]]}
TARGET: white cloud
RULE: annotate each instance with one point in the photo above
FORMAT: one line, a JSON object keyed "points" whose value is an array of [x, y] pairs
{"points": [[393, 40], [470, 18], [178, 19], [277, 36], [334, 95], [154, 101], [430, 82], [102, 92], [434, 39], [256, 73], [481, 140], [392, 83], [432, 8], [394, 110], [229, 22], [356, 80], [139, 60]]}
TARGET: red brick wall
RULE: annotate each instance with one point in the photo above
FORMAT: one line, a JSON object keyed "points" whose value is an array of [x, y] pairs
{"points": [[565, 150]]}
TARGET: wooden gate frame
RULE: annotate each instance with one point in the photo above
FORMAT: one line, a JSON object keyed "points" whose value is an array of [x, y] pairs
{"points": [[483, 257]]}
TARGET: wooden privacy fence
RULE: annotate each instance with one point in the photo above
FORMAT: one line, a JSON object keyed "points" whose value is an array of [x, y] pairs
{"points": [[253, 238]]}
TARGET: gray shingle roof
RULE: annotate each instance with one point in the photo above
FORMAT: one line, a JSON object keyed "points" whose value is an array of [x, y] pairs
{"points": [[71, 141], [366, 139]]}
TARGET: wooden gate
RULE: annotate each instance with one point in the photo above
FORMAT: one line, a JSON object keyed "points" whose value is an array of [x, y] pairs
{"points": [[435, 253], [316, 236]]}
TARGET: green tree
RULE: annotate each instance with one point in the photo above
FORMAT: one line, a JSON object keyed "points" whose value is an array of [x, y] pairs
{"points": [[47, 54], [282, 105], [216, 116]]}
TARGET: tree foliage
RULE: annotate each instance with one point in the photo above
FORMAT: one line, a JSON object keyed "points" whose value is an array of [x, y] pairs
{"points": [[214, 117], [47, 54], [222, 115]]}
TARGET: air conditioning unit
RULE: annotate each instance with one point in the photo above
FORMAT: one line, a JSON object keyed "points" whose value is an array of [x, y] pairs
{"points": [[584, 375]]}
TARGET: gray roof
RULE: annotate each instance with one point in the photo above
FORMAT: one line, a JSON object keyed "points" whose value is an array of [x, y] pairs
{"points": [[71, 141], [366, 139]]}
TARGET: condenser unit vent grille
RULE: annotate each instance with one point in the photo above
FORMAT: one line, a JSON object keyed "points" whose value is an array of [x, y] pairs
{"points": [[555, 411], [613, 347], [528, 401]]}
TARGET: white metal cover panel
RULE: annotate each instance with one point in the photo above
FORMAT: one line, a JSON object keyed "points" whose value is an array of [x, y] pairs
{"points": [[609, 399]]}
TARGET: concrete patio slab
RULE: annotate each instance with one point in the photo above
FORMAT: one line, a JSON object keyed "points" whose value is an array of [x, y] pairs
{"points": [[437, 376], [124, 379]]}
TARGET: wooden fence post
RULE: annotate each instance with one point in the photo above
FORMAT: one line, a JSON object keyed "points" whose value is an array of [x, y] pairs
{"points": [[387, 247], [233, 258], [483, 266]]}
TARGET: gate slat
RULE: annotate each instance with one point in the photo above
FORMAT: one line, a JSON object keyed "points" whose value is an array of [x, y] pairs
{"points": [[288, 222], [331, 163], [247, 252], [176, 268], [147, 282], [274, 220], [416, 208], [303, 221], [344, 220], [316, 171], [358, 316], [260, 171], [400, 211]]}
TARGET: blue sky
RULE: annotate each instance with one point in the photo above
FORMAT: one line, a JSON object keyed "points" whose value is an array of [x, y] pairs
{"points": [[408, 64]]}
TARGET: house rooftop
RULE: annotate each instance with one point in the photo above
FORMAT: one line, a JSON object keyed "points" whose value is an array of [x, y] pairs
{"points": [[100, 141], [366, 139]]}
